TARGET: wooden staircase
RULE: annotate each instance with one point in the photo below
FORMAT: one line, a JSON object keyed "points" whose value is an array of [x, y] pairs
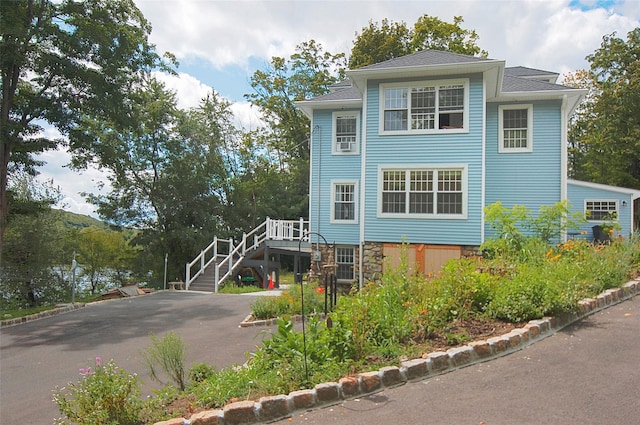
{"points": [[222, 259]]}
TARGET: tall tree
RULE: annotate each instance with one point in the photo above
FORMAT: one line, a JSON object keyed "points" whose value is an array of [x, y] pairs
{"points": [[168, 171], [379, 42], [309, 72], [60, 60], [606, 129]]}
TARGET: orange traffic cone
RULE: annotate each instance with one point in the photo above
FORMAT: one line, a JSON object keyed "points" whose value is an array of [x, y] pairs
{"points": [[271, 286]]}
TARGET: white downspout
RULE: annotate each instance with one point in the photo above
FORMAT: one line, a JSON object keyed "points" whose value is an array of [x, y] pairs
{"points": [[483, 199], [363, 175], [564, 128]]}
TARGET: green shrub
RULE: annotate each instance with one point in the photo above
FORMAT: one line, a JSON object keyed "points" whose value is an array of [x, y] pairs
{"points": [[105, 396], [289, 303], [200, 372]]}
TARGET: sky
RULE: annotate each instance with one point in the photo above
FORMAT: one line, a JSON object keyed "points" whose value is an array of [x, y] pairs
{"points": [[221, 43]]}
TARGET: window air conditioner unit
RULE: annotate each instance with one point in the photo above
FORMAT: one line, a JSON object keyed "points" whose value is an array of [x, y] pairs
{"points": [[344, 147]]}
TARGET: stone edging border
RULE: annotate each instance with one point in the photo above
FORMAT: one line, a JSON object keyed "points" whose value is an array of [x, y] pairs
{"points": [[48, 313], [273, 408]]}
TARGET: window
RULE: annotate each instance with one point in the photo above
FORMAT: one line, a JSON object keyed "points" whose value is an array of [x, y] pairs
{"points": [[601, 210], [515, 128], [423, 107], [423, 191], [345, 259], [344, 201], [346, 132]]}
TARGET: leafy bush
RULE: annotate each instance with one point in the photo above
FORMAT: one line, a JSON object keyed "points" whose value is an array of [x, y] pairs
{"points": [[200, 372], [289, 303], [105, 396]]}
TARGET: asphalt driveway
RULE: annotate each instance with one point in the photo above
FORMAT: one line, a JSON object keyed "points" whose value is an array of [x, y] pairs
{"points": [[37, 356]]}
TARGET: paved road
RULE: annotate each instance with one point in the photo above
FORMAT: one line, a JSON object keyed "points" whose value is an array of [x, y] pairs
{"points": [[588, 373], [38, 356]]}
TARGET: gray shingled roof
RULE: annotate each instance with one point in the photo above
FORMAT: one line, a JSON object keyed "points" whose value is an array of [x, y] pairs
{"points": [[343, 94], [425, 58], [514, 79], [517, 84], [523, 71]]}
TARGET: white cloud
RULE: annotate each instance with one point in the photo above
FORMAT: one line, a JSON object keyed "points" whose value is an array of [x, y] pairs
{"points": [[190, 91], [72, 183]]}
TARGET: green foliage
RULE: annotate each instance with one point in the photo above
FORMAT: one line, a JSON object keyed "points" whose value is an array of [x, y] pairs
{"points": [[289, 302], [386, 40], [61, 62], [506, 223], [167, 354], [200, 372], [105, 396], [605, 132], [509, 226]]}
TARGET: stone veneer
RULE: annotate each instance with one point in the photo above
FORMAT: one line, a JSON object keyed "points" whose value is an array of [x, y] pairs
{"points": [[272, 408]]}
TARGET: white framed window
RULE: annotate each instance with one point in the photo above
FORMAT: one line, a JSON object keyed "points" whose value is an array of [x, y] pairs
{"points": [[515, 128], [345, 259], [429, 192], [424, 107], [346, 132], [344, 202], [601, 209]]}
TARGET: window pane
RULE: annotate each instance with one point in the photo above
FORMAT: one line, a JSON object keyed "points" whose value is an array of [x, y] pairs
{"points": [[393, 202], [421, 203], [344, 202], [345, 258], [514, 123], [449, 192], [601, 210], [393, 181], [449, 203], [451, 98], [395, 98], [449, 181], [395, 120], [423, 108], [346, 129]]}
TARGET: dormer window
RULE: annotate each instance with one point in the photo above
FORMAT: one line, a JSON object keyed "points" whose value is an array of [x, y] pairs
{"points": [[346, 132], [425, 107]]}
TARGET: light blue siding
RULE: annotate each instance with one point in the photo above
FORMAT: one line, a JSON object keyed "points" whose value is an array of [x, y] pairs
{"points": [[577, 196], [425, 150], [531, 179], [326, 167]]}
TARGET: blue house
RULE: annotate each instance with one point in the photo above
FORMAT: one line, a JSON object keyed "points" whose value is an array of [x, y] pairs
{"points": [[412, 149]]}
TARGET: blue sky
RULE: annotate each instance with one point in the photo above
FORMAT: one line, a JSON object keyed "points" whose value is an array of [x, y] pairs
{"points": [[220, 44]]}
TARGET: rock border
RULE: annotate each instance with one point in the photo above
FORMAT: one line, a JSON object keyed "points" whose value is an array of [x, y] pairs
{"points": [[48, 313], [273, 408]]}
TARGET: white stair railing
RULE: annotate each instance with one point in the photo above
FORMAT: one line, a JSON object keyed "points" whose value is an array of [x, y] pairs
{"points": [[277, 230]]}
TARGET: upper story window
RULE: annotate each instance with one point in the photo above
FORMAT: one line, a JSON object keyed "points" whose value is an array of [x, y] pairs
{"points": [[346, 132], [515, 128], [344, 201], [429, 192], [424, 107], [598, 210]]}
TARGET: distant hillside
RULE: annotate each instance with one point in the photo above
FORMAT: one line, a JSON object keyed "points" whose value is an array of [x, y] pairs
{"points": [[78, 221]]}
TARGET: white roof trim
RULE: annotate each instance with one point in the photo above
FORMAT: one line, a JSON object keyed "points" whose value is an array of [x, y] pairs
{"points": [[635, 194]]}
